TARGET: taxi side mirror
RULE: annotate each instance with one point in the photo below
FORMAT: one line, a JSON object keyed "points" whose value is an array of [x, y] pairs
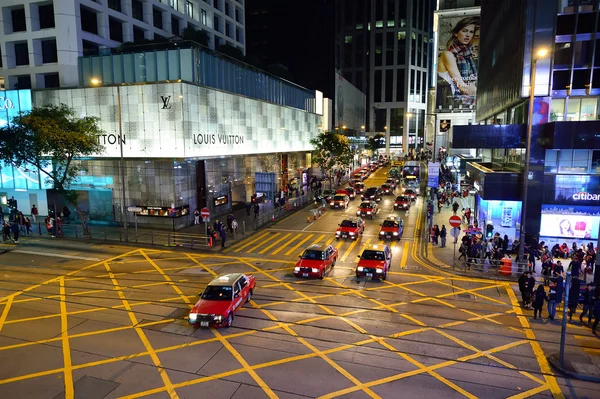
{"points": [[358, 256], [236, 295], [299, 256]]}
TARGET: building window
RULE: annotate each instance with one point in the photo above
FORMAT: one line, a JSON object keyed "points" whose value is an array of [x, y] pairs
{"points": [[389, 48], [115, 29], [49, 52], [400, 87], [51, 80], [173, 4], [157, 18], [138, 35], [114, 5], [137, 10], [588, 109], [90, 48], [23, 82], [216, 4], [189, 9], [227, 30], [237, 35], [18, 20], [379, 24], [216, 23], [377, 87], [238, 14], [203, 17], [46, 15], [348, 39], [390, 24], [175, 29], [359, 26], [389, 85], [21, 54], [89, 21], [227, 9]]}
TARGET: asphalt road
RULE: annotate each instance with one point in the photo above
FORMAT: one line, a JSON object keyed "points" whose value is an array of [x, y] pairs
{"points": [[100, 321]]}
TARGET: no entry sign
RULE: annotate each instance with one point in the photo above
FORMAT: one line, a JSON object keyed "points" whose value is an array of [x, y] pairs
{"points": [[205, 213], [454, 221]]}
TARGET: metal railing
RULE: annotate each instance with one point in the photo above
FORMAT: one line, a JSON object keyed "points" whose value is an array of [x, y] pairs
{"points": [[491, 266]]}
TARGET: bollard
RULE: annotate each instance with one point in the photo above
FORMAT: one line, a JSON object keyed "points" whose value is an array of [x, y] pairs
{"points": [[308, 219]]}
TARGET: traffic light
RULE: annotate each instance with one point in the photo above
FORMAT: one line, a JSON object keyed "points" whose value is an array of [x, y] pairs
{"points": [[489, 230]]}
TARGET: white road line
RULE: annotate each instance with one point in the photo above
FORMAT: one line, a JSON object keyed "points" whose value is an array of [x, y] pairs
{"points": [[56, 255]]}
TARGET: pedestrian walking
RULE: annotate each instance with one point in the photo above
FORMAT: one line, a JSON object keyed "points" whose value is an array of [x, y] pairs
{"points": [[66, 214], [234, 226], [573, 300], [256, 210], [34, 213], [555, 297], [443, 234], [524, 288], [21, 221], [248, 208], [14, 229], [588, 304], [230, 223], [223, 236], [28, 226], [5, 232], [538, 301], [196, 216]]}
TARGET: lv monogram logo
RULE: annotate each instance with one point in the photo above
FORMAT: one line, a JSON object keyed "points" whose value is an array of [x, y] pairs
{"points": [[166, 102]]}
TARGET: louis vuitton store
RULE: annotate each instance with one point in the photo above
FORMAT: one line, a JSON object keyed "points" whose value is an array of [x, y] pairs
{"points": [[184, 146]]}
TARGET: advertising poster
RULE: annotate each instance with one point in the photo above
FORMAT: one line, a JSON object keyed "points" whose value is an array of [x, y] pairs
{"points": [[458, 56], [575, 222]]}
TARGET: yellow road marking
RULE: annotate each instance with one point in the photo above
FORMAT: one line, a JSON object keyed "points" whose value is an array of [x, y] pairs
{"points": [[365, 245], [263, 243], [134, 321], [66, 348], [535, 346], [531, 392], [274, 243], [404, 255], [339, 244], [251, 242], [350, 248], [295, 247], [417, 322], [208, 269], [7, 306], [281, 247], [339, 368], [329, 241]]}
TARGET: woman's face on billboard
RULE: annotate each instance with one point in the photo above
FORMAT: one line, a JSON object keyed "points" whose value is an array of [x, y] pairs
{"points": [[465, 35]]}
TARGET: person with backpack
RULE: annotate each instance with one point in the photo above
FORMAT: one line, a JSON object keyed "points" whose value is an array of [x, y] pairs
{"points": [[538, 301], [588, 304], [443, 234]]}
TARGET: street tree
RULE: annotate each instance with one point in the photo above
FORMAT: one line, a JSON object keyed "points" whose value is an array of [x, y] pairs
{"points": [[50, 138], [332, 153], [376, 142]]}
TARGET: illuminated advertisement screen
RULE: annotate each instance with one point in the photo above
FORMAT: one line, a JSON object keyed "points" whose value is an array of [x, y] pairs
{"points": [[458, 59], [569, 222]]}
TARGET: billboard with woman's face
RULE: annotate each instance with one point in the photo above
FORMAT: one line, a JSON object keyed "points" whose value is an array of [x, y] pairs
{"points": [[458, 56]]}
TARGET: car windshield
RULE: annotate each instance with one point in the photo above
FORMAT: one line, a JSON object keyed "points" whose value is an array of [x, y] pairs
{"points": [[390, 223], [371, 191], [402, 198], [312, 254], [373, 255], [350, 190], [384, 186], [217, 293], [409, 192], [366, 205], [348, 223], [339, 198]]}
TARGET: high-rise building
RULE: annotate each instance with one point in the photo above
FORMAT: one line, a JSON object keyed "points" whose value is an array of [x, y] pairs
{"points": [[40, 41], [383, 48]]}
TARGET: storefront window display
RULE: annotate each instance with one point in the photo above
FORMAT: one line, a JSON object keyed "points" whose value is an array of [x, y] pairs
{"points": [[569, 223], [503, 216]]}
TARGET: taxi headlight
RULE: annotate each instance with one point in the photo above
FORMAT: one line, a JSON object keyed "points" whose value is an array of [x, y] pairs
{"points": [[315, 270], [360, 269], [337, 233], [297, 268], [395, 233], [193, 317], [351, 233], [381, 233], [358, 213], [369, 212], [379, 270], [331, 203], [218, 318]]}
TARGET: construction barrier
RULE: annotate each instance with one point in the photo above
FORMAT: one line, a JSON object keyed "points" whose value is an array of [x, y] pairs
{"points": [[505, 266]]}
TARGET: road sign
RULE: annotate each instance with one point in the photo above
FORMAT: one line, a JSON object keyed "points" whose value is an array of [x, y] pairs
{"points": [[455, 232], [205, 213], [454, 221], [134, 209]]}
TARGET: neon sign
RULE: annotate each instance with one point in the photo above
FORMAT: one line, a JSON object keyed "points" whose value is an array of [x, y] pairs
{"points": [[6, 103], [583, 196]]}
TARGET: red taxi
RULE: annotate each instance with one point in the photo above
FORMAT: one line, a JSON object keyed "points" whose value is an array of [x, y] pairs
{"points": [[316, 261], [392, 182], [387, 189], [368, 209], [349, 191], [410, 193], [374, 262], [221, 299], [355, 179], [402, 202], [359, 187], [350, 228], [339, 201], [391, 229]]}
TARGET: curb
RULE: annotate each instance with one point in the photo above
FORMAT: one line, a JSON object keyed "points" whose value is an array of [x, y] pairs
{"points": [[554, 362]]}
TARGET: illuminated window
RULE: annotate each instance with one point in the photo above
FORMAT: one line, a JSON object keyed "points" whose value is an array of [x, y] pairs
{"points": [[588, 109], [379, 24], [348, 39], [189, 9], [359, 26], [390, 24], [401, 35]]}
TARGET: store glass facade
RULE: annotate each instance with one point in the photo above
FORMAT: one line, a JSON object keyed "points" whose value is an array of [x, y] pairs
{"points": [[503, 216]]}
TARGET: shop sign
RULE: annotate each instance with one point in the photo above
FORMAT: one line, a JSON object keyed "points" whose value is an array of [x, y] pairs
{"points": [[583, 196], [6, 103]]}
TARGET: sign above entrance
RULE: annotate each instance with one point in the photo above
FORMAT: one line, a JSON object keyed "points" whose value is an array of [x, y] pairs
{"points": [[583, 196]]}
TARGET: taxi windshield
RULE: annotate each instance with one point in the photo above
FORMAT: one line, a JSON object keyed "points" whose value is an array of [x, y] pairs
{"points": [[402, 198], [348, 223], [373, 255], [217, 293], [390, 223], [338, 198], [366, 205], [313, 255]]}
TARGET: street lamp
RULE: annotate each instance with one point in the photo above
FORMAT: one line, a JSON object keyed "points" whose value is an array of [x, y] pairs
{"points": [[98, 82], [541, 53]]}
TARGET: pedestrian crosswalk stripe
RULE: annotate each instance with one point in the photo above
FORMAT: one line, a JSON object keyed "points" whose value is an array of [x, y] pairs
{"points": [[350, 248], [295, 247], [275, 243], [281, 247], [260, 244], [329, 241], [366, 244], [251, 242], [314, 242]]}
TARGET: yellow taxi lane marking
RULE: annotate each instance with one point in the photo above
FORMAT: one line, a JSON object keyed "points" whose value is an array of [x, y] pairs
{"points": [[268, 247], [339, 244], [404, 255], [347, 252], [261, 236], [254, 248], [329, 241], [7, 306], [295, 247], [66, 348], [365, 245]]}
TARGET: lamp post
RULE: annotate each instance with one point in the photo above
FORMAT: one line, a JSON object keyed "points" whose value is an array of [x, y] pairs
{"points": [[97, 82], [540, 54]]}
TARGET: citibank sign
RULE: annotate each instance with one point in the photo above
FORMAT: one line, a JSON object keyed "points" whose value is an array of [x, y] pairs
{"points": [[583, 196], [6, 103]]}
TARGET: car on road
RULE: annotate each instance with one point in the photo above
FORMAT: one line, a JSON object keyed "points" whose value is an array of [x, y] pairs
{"points": [[368, 209], [409, 192], [372, 194], [316, 260], [350, 192], [339, 201], [387, 189], [356, 179], [359, 187], [391, 229], [328, 195], [402, 202], [350, 228], [221, 300], [392, 182], [374, 262]]}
